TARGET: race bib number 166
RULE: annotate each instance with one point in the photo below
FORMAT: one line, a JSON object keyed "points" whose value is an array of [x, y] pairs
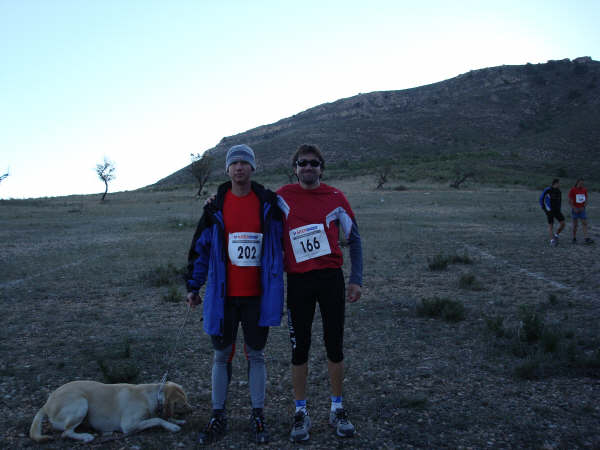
{"points": [[309, 241]]}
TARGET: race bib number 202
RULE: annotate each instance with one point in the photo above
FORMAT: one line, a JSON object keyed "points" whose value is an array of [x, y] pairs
{"points": [[309, 241], [245, 248]]}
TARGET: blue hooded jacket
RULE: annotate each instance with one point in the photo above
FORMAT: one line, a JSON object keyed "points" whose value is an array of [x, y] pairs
{"points": [[207, 261]]}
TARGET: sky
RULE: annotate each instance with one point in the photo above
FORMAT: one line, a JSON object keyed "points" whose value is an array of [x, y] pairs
{"points": [[147, 83]]}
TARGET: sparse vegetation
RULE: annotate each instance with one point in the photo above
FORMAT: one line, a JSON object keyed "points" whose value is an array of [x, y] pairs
{"points": [[164, 275], [444, 308], [173, 295], [118, 366], [429, 365], [469, 281], [441, 261]]}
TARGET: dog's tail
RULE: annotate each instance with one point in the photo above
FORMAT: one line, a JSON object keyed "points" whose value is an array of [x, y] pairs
{"points": [[35, 432]]}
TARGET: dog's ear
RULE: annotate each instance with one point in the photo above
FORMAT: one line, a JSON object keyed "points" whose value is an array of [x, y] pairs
{"points": [[174, 393]]}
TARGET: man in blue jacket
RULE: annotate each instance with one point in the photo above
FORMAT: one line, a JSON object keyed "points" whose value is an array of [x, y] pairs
{"points": [[237, 252]]}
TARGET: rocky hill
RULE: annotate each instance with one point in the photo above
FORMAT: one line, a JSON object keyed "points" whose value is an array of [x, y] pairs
{"points": [[537, 117]]}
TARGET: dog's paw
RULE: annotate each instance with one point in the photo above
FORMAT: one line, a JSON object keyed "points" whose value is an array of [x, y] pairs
{"points": [[172, 427], [87, 437]]}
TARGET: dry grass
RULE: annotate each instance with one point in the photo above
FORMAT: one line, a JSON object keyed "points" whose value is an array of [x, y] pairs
{"points": [[87, 290]]}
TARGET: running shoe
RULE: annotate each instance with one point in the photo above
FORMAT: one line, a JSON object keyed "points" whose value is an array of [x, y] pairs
{"points": [[258, 427], [300, 428], [339, 420], [589, 241], [553, 242], [215, 429]]}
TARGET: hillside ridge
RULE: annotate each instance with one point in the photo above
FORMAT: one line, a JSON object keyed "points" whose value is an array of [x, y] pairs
{"points": [[547, 113]]}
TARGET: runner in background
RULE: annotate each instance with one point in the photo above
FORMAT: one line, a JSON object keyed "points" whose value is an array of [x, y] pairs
{"points": [[550, 201], [578, 199]]}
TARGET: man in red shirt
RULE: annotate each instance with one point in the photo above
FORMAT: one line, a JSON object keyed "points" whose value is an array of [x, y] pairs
{"points": [[314, 214], [579, 198]]}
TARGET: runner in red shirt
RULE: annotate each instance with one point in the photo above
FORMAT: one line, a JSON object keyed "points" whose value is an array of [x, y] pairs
{"points": [[579, 198], [314, 215]]}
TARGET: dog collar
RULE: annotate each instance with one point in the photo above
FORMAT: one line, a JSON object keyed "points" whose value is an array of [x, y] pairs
{"points": [[160, 401]]}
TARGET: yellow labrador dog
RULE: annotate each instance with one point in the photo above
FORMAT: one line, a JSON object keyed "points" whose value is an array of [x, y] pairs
{"points": [[108, 408]]}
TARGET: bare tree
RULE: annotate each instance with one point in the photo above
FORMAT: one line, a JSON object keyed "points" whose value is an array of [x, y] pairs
{"points": [[106, 172], [461, 174], [200, 168], [288, 172], [382, 176]]}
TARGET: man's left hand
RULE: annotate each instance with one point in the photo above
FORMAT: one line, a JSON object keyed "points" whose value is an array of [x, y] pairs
{"points": [[354, 292]]}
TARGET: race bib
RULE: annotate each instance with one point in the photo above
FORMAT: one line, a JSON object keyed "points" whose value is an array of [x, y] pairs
{"points": [[309, 241], [245, 248], [579, 198]]}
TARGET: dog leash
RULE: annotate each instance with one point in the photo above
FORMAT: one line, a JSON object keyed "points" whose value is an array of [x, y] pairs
{"points": [[163, 380]]}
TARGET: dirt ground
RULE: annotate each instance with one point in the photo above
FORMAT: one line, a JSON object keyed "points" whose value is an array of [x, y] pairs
{"points": [[80, 290]]}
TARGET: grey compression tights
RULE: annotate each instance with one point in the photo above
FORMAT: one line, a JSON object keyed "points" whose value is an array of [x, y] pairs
{"points": [[221, 376]]}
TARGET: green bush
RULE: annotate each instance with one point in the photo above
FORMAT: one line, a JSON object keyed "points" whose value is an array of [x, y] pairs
{"points": [[495, 324], [438, 262], [532, 324], [444, 308], [550, 339], [441, 261], [468, 281], [119, 371], [116, 364], [164, 275], [458, 259], [173, 295], [529, 370]]}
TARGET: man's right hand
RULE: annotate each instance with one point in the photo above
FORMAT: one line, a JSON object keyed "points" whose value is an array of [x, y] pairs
{"points": [[210, 200], [193, 299]]}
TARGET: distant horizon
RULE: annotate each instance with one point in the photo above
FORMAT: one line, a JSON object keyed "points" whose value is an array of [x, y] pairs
{"points": [[110, 191], [148, 83]]}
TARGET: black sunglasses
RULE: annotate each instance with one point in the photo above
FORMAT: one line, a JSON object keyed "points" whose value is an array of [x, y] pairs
{"points": [[305, 162]]}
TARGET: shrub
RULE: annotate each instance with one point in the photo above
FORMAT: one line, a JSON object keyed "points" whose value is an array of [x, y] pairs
{"points": [[496, 325], [173, 295], [464, 259], [468, 281], [552, 299], [441, 261], [444, 308], [532, 325], [551, 339], [529, 370], [438, 262], [117, 367], [119, 371], [573, 94], [164, 275]]}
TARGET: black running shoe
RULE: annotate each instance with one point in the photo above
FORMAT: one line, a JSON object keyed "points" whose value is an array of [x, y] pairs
{"points": [[258, 427], [215, 429], [589, 241]]}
